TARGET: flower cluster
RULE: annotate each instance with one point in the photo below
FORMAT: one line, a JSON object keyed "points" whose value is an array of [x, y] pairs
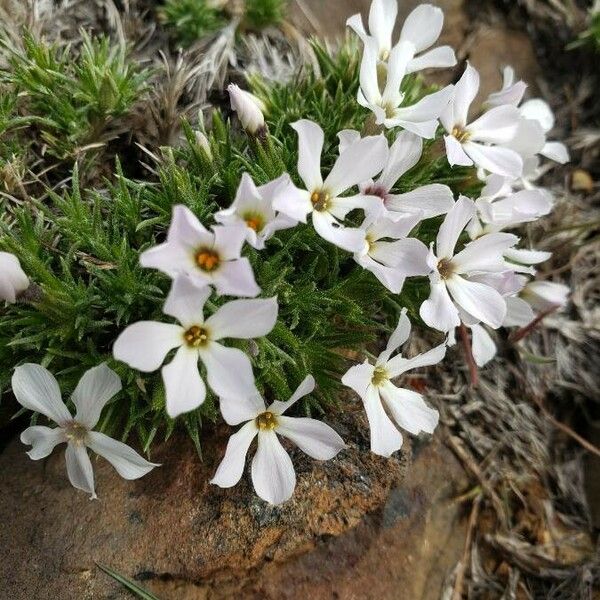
{"points": [[479, 277]]}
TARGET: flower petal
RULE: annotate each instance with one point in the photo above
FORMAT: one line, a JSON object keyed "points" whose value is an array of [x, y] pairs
{"points": [[243, 319], [455, 152], [556, 151], [236, 278], [315, 438], [496, 126], [479, 300], [241, 408], [438, 311], [229, 240], [13, 280], [293, 202], [96, 387], [398, 337], [347, 238], [454, 224], [431, 200], [184, 388], [399, 365], [409, 256], [310, 146], [145, 344], [42, 439], [385, 437], [423, 26], [306, 387], [409, 410], [404, 154], [273, 473], [495, 159], [369, 93], [518, 314], [79, 469], [482, 345], [538, 110], [127, 462], [36, 388], [231, 467], [392, 278], [186, 301], [484, 253], [359, 378], [371, 205], [429, 108], [465, 91], [382, 18], [441, 57]]}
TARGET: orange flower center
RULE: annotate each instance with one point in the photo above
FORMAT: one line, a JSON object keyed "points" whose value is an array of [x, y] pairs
{"points": [[196, 336], [207, 260], [320, 200], [266, 421]]}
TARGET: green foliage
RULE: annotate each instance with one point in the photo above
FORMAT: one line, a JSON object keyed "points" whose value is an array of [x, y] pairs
{"points": [[81, 248], [190, 20], [590, 38], [264, 13], [128, 584], [73, 98]]}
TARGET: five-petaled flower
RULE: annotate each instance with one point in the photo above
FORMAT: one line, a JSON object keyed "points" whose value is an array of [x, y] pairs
{"points": [[388, 406], [37, 389], [144, 345], [13, 280], [273, 474], [323, 199], [208, 257]]}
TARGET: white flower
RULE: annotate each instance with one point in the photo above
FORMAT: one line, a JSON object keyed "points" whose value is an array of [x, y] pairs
{"points": [[421, 30], [36, 389], [358, 162], [454, 294], [144, 345], [253, 208], [545, 295], [13, 280], [466, 142], [273, 473], [420, 118], [427, 201], [249, 109], [208, 257], [389, 407], [511, 93], [393, 261]]}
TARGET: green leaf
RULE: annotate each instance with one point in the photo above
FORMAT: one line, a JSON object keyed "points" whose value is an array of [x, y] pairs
{"points": [[134, 588]]}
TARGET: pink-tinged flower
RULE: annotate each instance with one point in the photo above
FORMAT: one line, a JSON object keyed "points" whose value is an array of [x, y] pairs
{"points": [[389, 407], [253, 209], [421, 30], [427, 201], [249, 109], [454, 293], [36, 389], [393, 261], [13, 280], [273, 474], [481, 141], [207, 257], [145, 345], [388, 105], [323, 199]]}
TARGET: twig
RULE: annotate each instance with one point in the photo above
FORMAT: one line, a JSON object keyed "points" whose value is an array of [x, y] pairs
{"points": [[466, 344], [462, 569], [518, 335]]}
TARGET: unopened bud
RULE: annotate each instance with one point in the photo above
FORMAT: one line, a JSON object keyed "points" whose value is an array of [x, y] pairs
{"points": [[203, 143], [249, 110]]}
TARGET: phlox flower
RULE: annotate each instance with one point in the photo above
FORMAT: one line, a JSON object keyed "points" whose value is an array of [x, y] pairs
{"points": [[427, 201], [273, 474], [144, 345], [249, 109], [322, 199], [454, 293], [207, 257], [36, 389], [253, 208], [13, 280], [482, 141], [422, 117], [390, 255], [389, 407], [421, 30]]}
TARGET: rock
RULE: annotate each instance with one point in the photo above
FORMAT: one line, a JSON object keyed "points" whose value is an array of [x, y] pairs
{"points": [[351, 525]]}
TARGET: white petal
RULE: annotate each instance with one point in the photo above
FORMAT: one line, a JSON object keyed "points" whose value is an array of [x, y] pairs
{"points": [[229, 240], [526, 257], [184, 388], [382, 18], [230, 470], [347, 238], [385, 437], [96, 387], [228, 371], [479, 300], [187, 229], [13, 280], [341, 206], [409, 256], [409, 410], [42, 439], [399, 58], [556, 151], [441, 57], [438, 311], [306, 387], [484, 253], [528, 140], [423, 26], [351, 168], [399, 365], [310, 146], [454, 224], [347, 137], [429, 108], [273, 473], [313, 437], [79, 469], [359, 378], [538, 110], [544, 295], [512, 94], [404, 154], [369, 86], [127, 462], [495, 159], [171, 258], [247, 195], [392, 278], [424, 129], [398, 337], [482, 345], [455, 152], [432, 200], [36, 388], [186, 301], [518, 314], [496, 126], [241, 408], [395, 226], [355, 23], [144, 345], [464, 93], [236, 278], [244, 319], [293, 202]]}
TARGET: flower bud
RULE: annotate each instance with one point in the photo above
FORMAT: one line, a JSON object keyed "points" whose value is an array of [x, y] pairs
{"points": [[203, 143], [249, 109], [13, 280]]}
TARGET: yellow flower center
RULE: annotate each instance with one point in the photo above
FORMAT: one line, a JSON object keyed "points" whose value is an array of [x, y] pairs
{"points": [[207, 260], [254, 221], [266, 421], [320, 200], [445, 268], [462, 135], [75, 432], [379, 376], [196, 336]]}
